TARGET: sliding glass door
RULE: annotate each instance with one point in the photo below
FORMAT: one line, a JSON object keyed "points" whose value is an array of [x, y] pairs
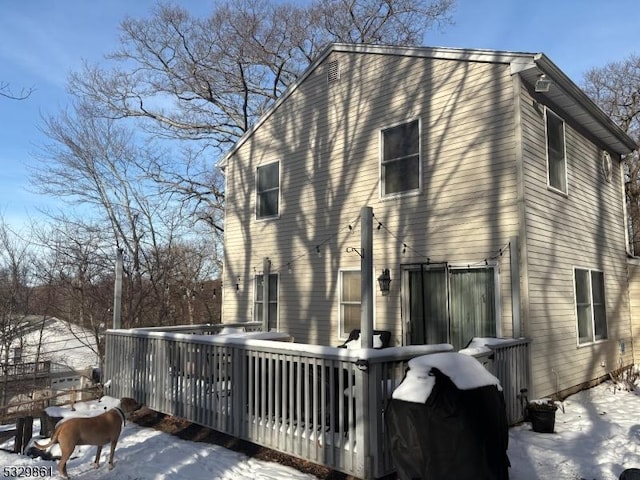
{"points": [[428, 306], [451, 305]]}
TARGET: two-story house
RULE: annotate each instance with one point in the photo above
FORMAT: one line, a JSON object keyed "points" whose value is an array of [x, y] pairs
{"points": [[496, 188]]}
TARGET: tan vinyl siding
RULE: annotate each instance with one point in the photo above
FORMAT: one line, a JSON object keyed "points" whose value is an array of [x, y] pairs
{"points": [[634, 298], [584, 229], [327, 140]]}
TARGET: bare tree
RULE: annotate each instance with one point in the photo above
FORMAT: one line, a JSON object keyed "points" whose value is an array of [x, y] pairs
{"points": [[395, 22], [616, 89], [190, 263], [5, 91], [199, 186], [76, 277], [210, 79], [98, 164], [16, 278]]}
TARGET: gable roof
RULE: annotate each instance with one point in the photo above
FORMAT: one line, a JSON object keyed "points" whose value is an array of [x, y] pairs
{"points": [[564, 92]]}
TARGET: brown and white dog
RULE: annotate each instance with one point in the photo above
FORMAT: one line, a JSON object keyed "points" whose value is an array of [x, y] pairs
{"points": [[98, 431]]}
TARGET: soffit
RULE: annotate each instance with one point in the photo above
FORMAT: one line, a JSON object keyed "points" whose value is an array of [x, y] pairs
{"points": [[576, 106]]}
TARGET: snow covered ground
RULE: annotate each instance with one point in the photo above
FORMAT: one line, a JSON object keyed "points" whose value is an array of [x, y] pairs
{"points": [[145, 454], [596, 438]]}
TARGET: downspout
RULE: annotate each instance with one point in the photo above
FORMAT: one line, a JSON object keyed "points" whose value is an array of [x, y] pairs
{"points": [[625, 213]]}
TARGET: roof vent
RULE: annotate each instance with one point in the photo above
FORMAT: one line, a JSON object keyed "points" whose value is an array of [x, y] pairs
{"points": [[333, 72]]}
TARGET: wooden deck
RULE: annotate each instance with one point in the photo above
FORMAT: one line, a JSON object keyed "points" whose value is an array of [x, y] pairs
{"points": [[322, 404]]}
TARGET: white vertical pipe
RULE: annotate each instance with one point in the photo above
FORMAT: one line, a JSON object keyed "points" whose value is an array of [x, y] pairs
{"points": [[366, 274], [266, 271], [514, 258]]}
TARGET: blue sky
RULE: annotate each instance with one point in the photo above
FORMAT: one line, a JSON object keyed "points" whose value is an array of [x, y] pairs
{"points": [[42, 41]]}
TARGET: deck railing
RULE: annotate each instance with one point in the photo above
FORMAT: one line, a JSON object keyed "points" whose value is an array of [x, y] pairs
{"points": [[322, 404], [510, 364], [206, 329], [21, 371]]}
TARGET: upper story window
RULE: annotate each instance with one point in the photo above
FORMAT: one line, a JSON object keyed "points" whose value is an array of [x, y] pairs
{"points": [[556, 152], [268, 190], [401, 168], [590, 305]]}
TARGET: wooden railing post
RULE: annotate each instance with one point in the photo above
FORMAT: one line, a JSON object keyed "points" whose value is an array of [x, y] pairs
{"points": [[376, 401], [363, 421], [238, 412]]}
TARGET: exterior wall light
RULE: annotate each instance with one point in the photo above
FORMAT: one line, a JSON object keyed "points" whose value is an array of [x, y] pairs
{"points": [[543, 83], [385, 281]]}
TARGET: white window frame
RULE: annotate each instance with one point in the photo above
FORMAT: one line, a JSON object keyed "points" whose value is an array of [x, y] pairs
{"points": [[593, 339], [258, 193], [256, 301], [547, 113], [16, 354], [382, 162], [341, 334]]}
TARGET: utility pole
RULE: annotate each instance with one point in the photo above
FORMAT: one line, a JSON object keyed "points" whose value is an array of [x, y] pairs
{"points": [[117, 292]]}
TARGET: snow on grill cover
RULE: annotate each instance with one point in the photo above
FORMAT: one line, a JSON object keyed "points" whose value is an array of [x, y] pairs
{"points": [[447, 421]]}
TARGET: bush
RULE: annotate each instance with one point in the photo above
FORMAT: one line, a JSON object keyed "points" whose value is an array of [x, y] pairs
{"points": [[625, 378]]}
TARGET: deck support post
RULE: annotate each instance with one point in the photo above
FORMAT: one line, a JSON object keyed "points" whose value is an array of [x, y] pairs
{"points": [[363, 418], [366, 277]]}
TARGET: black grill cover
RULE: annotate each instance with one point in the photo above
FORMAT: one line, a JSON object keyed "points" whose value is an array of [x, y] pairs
{"points": [[456, 435]]}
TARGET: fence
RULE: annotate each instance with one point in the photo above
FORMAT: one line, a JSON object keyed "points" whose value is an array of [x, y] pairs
{"points": [[21, 371], [31, 406], [322, 404]]}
